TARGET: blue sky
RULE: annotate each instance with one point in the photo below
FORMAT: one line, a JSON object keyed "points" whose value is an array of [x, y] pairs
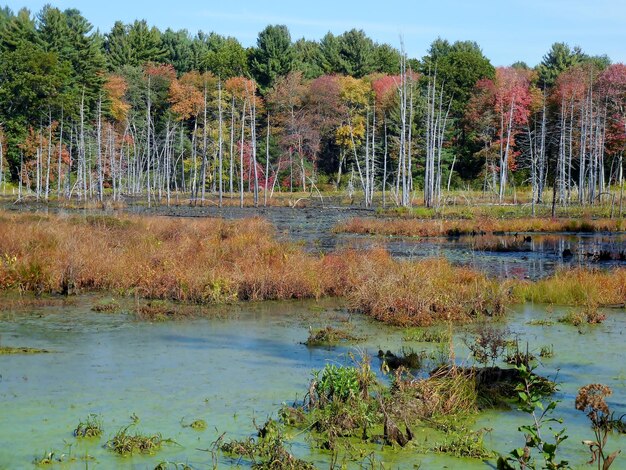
{"points": [[507, 31]]}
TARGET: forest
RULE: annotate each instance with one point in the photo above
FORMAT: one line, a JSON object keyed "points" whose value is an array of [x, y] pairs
{"points": [[141, 112]]}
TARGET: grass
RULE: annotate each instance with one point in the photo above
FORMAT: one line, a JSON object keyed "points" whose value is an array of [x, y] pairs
{"points": [[106, 306], [422, 335], [576, 287], [172, 265], [213, 261], [420, 293], [546, 352], [125, 443], [329, 336], [267, 451], [91, 427], [408, 227], [196, 425], [516, 244], [540, 322], [6, 350], [464, 443], [588, 315]]}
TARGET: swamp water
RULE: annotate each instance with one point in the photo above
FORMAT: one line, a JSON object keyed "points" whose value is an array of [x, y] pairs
{"points": [[241, 365]]}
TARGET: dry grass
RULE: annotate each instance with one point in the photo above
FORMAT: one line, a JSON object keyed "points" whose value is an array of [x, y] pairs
{"points": [[204, 261], [407, 227], [419, 293], [217, 261], [214, 261], [578, 287]]}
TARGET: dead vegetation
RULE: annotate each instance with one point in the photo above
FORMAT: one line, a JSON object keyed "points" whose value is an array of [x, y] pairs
{"points": [[170, 265], [410, 227]]}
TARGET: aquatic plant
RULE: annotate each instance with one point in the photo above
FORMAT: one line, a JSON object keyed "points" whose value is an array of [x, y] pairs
{"points": [[127, 443], [588, 315], [106, 306], [576, 287], [336, 383], [479, 225], [197, 424], [516, 356], [464, 442], [540, 322], [426, 335], [329, 336], [21, 350], [488, 343], [267, 451], [172, 466], [530, 393], [591, 401], [91, 427], [546, 352], [407, 358], [47, 458]]}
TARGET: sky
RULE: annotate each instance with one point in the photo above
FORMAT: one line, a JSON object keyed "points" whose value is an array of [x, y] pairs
{"points": [[507, 31]]}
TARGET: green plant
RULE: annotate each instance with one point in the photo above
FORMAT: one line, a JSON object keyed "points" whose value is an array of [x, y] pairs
{"points": [[125, 443], [530, 395], [91, 427], [591, 401], [197, 424], [463, 442], [329, 336], [337, 382], [546, 352], [426, 335], [268, 451]]}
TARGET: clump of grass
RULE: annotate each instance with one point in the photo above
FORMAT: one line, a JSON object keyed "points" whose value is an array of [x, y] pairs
{"points": [[126, 443], [407, 358], [156, 311], [267, 451], [480, 225], [197, 425], [91, 427], [578, 287], [172, 466], [464, 442], [517, 357], [424, 335], [546, 352], [21, 350], [540, 322], [421, 293], [329, 336], [47, 458], [106, 306], [589, 315]]}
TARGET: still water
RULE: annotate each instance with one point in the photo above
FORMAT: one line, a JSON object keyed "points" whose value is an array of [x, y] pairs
{"points": [[239, 366]]}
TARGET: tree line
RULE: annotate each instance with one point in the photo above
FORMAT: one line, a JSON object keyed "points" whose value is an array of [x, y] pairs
{"points": [[141, 112]]}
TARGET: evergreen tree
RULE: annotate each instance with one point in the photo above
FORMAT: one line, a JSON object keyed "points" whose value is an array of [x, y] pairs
{"points": [[273, 56]]}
